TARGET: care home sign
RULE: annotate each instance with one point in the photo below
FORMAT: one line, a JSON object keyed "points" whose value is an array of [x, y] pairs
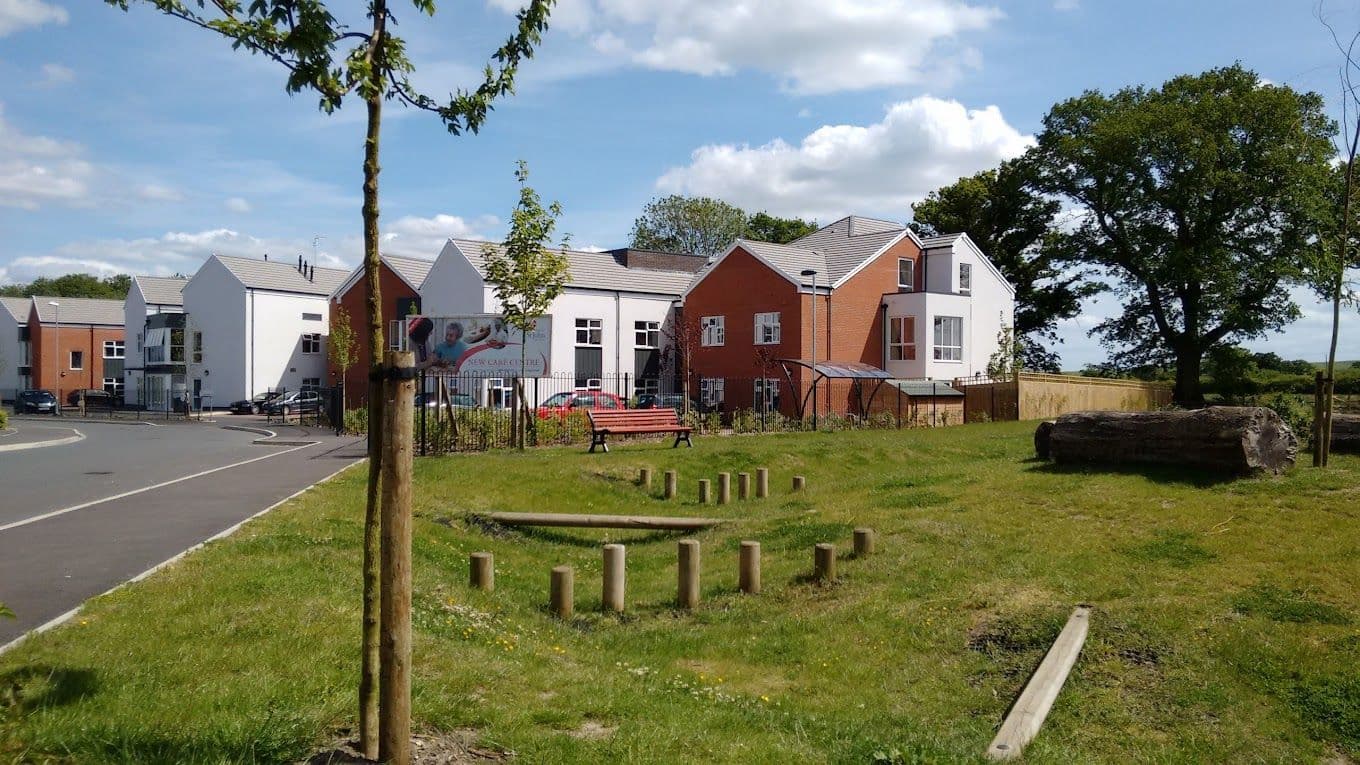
{"points": [[481, 344]]}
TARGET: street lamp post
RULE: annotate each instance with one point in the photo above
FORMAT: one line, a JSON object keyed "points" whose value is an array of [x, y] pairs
{"points": [[813, 274], [57, 315]]}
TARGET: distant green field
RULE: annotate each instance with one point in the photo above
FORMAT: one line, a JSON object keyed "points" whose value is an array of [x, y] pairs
{"points": [[1223, 627]]}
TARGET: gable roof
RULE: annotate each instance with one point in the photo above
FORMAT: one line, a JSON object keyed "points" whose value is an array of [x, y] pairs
{"points": [[79, 311], [594, 270], [161, 290], [282, 276], [410, 270], [954, 241], [17, 307]]}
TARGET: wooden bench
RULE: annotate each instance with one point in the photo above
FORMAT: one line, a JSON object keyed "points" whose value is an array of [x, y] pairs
{"points": [[622, 421]]}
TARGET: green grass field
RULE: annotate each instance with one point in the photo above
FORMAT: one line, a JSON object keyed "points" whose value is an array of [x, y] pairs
{"points": [[1224, 623]]}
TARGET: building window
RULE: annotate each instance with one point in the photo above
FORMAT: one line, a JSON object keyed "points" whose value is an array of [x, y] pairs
{"points": [[948, 338], [715, 330], [311, 343], [198, 348], [711, 392], [906, 275], [590, 332], [113, 386], [965, 278], [113, 349], [648, 385], [396, 335], [139, 342], [766, 394], [77, 360], [767, 328], [901, 338], [647, 334], [311, 317], [500, 391], [311, 383], [593, 383]]}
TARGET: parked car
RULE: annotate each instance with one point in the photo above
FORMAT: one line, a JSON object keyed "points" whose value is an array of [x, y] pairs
{"points": [[674, 401], [92, 396], [558, 405], [253, 405], [297, 402], [455, 400], [35, 401]]}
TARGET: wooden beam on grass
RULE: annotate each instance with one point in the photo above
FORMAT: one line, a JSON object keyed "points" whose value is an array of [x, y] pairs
{"points": [[1022, 724], [601, 521]]}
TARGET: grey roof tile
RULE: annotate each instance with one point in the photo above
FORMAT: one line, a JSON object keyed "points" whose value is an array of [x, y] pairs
{"points": [[18, 307], [283, 276], [595, 270], [413, 270], [937, 242], [161, 290], [79, 310]]}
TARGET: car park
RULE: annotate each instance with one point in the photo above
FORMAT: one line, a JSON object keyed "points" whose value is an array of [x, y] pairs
{"points": [[559, 404], [35, 402], [253, 405], [297, 402]]}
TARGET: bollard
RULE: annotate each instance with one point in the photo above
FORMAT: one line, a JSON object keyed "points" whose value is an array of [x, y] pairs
{"points": [[560, 597], [671, 480], [613, 578], [824, 563], [748, 568], [743, 485], [703, 491], [799, 483], [864, 542], [687, 590], [645, 479], [762, 483], [482, 571], [724, 488]]}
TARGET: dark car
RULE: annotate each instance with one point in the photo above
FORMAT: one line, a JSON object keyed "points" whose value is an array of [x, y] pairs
{"points": [[253, 405], [297, 402], [665, 401], [558, 405], [35, 401], [455, 400], [92, 396]]}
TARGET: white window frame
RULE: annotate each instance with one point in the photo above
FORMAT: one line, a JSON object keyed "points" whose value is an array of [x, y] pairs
{"points": [[711, 392], [196, 350], [762, 400], [311, 384], [965, 278], [714, 331], [396, 335], [948, 344], [593, 385], [910, 284], [646, 385], [113, 386], [647, 334], [311, 316], [71, 359], [114, 349], [499, 392], [589, 333], [767, 328], [904, 341], [311, 342]]}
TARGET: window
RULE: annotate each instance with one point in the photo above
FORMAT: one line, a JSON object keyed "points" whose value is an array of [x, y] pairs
{"points": [[766, 394], [311, 383], [901, 338], [948, 338], [767, 328], [590, 332], [594, 383], [311, 317], [965, 278], [906, 275], [647, 334], [113, 349], [396, 335], [139, 342], [198, 347], [77, 359], [648, 385], [500, 391], [311, 343], [711, 392], [715, 330], [113, 386]]}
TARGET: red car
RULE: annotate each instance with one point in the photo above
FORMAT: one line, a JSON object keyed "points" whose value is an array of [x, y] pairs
{"points": [[558, 405]]}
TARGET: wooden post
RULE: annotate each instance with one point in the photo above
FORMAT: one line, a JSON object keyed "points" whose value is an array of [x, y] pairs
{"points": [[743, 485], [687, 595], [799, 483], [612, 598], [864, 542], [724, 488], [748, 568], [671, 481], [645, 479], [561, 599], [704, 487], [1318, 407], [394, 624], [824, 562], [1028, 713], [762, 483], [482, 571], [1328, 401]]}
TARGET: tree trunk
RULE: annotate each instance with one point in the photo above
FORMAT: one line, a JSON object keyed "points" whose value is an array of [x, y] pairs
{"points": [[1188, 392], [1219, 439], [368, 673], [1346, 433]]}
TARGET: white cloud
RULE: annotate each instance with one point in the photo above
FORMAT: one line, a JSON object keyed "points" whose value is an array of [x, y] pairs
{"points": [[1066, 5], [36, 170], [55, 74], [17, 14], [237, 205], [811, 46], [156, 192], [418, 237], [878, 169]]}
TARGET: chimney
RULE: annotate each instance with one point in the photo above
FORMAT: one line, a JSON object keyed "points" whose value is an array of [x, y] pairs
{"points": [[311, 274], [266, 257], [299, 265], [850, 226]]}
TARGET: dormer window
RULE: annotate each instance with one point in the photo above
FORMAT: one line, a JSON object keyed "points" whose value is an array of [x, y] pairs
{"points": [[906, 275]]}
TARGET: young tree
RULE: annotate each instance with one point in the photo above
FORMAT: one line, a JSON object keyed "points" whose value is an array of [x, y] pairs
{"points": [[527, 276], [341, 347], [683, 334], [764, 227], [1009, 356], [1198, 199], [1016, 228], [699, 225], [305, 38]]}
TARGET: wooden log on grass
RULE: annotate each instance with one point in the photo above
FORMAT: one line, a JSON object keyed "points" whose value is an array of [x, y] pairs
{"points": [[799, 483], [1042, 434], [645, 478], [724, 488], [748, 568], [762, 483], [1029, 711], [672, 483], [687, 585], [612, 597], [743, 485], [1220, 439], [824, 562], [1346, 433], [704, 490], [482, 571], [864, 542], [561, 595], [573, 520]]}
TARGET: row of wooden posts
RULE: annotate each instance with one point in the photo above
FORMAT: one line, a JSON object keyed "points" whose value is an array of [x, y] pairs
{"points": [[561, 597], [672, 482]]}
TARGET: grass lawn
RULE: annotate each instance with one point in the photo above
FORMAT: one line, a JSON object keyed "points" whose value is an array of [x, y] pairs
{"points": [[1224, 624]]}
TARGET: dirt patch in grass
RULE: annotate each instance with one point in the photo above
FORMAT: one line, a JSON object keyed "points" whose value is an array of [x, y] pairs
{"points": [[431, 748], [1177, 548], [1294, 606], [592, 730], [1008, 633]]}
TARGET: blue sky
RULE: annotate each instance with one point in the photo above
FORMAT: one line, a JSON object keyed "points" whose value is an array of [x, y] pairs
{"points": [[130, 142]]}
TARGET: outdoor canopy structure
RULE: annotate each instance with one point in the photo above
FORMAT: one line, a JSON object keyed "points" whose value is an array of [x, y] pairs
{"points": [[838, 370]]}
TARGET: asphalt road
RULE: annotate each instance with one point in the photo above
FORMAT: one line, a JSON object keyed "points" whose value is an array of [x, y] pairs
{"points": [[69, 530]]}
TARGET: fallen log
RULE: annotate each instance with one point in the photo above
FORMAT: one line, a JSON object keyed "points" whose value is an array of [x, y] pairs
{"points": [[1346, 433], [1041, 436], [599, 521], [1223, 439]]}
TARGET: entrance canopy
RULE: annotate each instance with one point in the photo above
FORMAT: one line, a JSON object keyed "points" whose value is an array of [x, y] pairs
{"points": [[857, 371]]}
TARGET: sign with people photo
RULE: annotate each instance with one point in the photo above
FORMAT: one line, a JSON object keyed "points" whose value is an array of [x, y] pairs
{"points": [[481, 344]]}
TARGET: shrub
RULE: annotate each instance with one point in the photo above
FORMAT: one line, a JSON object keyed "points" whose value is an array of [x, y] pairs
{"points": [[4, 419], [356, 421], [1297, 414]]}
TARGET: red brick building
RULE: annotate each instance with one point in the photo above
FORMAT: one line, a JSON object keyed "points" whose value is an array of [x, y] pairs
{"points": [[76, 343], [399, 285]]}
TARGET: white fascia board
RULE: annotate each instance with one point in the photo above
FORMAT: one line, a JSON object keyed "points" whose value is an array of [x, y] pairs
{"points": [[863, 264]]}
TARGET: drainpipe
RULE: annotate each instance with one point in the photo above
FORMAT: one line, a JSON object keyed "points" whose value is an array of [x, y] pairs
{"points": [[251, 393]]}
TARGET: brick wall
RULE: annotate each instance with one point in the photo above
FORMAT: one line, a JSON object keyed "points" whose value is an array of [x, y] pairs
{"points": [[51, 367], [391, 288]]}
